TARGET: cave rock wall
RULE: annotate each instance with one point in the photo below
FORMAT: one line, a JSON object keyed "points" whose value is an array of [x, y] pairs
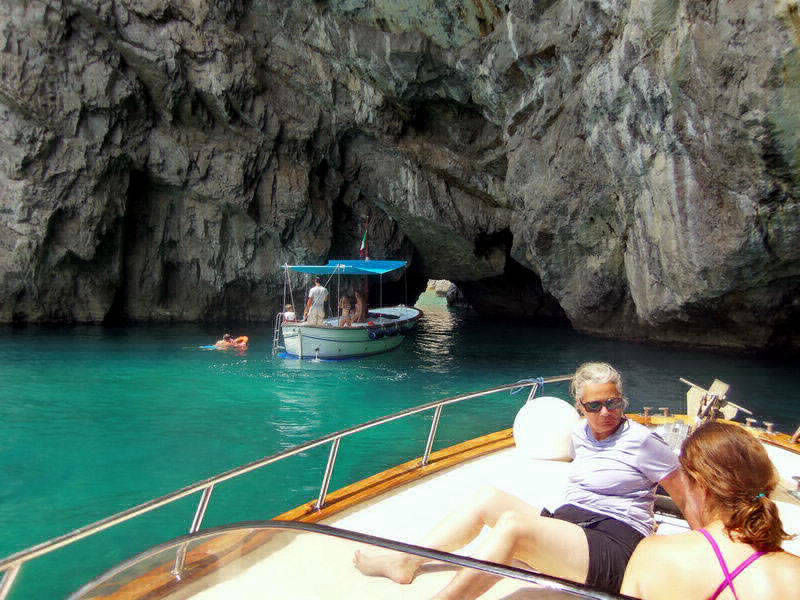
{"points": [[629, 166]]}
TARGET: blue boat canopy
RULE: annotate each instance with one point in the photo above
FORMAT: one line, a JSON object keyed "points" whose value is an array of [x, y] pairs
{"points": [[351, 267]]}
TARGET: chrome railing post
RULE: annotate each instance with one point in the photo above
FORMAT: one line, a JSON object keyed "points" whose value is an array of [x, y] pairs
{"points": [[8, 580], [326, 480], [437, 415], [199, 514]]}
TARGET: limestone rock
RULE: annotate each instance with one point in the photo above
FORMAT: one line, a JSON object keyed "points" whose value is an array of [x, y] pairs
{"points": [[630, 167]]}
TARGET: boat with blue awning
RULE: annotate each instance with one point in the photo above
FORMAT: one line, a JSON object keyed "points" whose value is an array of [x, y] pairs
{"points": [[339, 335]]}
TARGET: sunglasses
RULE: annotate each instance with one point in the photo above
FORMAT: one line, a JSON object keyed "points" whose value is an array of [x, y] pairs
{"points": [[609, 403]]}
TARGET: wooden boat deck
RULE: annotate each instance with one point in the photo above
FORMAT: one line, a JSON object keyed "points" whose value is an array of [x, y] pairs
{"points": [[241, 566]]}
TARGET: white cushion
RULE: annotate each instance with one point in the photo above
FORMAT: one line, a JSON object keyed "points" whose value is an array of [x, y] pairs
{"points": [[543, 428]]}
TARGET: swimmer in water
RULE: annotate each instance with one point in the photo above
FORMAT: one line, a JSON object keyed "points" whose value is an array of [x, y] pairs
{"points": [[229, 341]]}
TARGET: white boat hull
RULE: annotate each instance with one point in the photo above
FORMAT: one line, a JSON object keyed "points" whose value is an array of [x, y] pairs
{"points": [[382, 333]]}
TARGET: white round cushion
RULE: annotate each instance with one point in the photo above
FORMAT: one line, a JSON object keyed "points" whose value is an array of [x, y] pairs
{"points": [[543, 428]]}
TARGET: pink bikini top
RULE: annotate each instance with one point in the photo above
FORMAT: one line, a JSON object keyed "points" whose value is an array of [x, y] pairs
{"points": [[729, 577]]}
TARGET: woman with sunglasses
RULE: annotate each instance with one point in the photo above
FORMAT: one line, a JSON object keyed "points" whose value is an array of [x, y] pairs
{"points": [[608, 505], [737, 552]]}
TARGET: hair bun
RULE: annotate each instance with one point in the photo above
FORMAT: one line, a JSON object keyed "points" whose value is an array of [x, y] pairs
{"points": [[733, 466]]}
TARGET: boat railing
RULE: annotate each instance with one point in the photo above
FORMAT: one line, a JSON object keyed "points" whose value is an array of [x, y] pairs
{"points": [[11, 565], [207, 541]]}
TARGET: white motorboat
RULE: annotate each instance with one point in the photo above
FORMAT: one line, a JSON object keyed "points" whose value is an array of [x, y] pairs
{"points": [[307, 551], [383, 330]]}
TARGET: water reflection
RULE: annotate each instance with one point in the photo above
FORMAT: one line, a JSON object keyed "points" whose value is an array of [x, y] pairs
{"points": [[436, 339]]}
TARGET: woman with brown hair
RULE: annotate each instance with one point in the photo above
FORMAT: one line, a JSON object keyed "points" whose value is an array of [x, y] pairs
{"points": [[737, 553]]}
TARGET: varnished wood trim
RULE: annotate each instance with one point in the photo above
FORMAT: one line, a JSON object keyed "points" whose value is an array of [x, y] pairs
{"points": [[214, 554], [658, 419], [395, 477], [201, 560], [781, 440]]}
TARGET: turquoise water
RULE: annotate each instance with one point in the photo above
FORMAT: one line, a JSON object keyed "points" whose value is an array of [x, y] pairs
{"points": [[96, 420]]}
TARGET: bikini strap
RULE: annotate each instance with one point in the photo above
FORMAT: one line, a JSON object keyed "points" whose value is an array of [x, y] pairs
{"points": [[753, 557], [717, 551], [729, 577], [727, 581]]}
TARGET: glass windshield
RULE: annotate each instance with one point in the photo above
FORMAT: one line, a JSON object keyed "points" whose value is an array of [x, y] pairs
{"points": [[297, 561]]}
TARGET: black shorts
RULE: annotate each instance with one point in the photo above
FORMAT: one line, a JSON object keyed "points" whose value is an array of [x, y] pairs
{"points": [[611, 543]]}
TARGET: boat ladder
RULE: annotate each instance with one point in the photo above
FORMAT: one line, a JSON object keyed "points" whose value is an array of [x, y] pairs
{"points": [[276, 334]]}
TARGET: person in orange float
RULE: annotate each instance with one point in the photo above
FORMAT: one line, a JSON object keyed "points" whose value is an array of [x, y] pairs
{"points": [[229, 341]]}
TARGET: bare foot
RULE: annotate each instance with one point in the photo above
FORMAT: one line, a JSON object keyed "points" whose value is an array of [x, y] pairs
{"points": [[398, 567]]}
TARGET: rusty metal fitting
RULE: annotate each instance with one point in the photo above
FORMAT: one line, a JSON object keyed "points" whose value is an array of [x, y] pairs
{"points": [[750, 421], [664, 410], [770, 427], [647, 411]]}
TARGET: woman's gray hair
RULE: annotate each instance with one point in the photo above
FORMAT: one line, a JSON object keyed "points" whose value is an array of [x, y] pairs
{"points": [[594, 372]]}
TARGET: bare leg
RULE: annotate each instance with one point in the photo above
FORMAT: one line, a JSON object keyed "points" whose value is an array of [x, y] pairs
{"points": [[551, 546], [454, 532]]}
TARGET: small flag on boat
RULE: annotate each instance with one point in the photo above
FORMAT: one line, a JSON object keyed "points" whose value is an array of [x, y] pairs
{"points": [[363, 252]]}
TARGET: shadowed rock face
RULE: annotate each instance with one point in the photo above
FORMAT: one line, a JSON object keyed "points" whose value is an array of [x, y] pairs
{"points": [[631, 167]]}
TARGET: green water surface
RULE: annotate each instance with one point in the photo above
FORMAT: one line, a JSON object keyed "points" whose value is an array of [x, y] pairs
{"points": [[96, 420]]}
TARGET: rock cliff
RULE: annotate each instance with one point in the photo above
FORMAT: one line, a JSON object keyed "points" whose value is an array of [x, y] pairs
{"points": [[631, 166]]}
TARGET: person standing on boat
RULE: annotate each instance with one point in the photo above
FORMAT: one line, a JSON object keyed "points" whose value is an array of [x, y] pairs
{"points": [[732, 477], [608, 506], [360, 315], [315, 305]]}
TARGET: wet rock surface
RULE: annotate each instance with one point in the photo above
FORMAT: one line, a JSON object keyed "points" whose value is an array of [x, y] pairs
{"points": [[632, 168]]}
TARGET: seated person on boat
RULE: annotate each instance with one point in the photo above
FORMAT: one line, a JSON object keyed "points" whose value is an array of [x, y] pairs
{"points": [[289, 316], [345, 312], [608, 507], [315, 305], [731, 477]]}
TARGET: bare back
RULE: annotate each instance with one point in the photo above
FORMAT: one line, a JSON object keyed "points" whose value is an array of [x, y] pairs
{"points": [[685, 566], [360, 315]]}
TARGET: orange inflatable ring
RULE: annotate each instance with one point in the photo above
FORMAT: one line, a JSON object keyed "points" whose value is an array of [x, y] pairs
{"points": [[241, 340]]}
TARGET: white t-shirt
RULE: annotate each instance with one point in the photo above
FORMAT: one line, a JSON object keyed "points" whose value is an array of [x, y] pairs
{"points": [[618, 476], [318, 294]]}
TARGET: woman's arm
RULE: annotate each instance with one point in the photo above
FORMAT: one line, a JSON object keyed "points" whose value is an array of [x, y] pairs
{"points": [[677, 486]]}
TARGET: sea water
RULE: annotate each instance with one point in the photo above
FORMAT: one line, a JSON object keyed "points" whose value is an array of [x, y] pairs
{"points": [[96, 420]]}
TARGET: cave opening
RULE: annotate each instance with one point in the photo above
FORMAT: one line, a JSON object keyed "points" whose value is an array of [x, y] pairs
{"points": [[517, 293], [135, 208]]}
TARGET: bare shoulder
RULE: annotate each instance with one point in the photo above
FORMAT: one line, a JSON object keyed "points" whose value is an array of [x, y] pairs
{"points": [[670, 542], [651, 564], [781, 576], [788, 564], [663, 548], [681, 551]]}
